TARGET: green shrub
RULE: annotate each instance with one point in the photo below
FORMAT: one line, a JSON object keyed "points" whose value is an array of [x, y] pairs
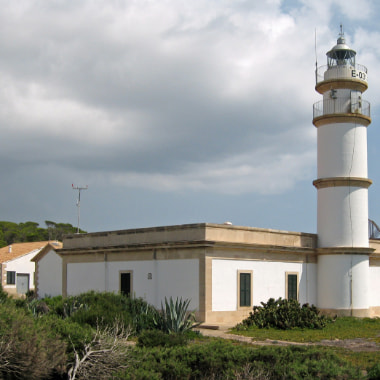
{"points": [[143, 315], [28, 349], [174, 316], [74, 334], [103, 308], [374, 372], [3, 295], [284, 314], [154, 338], [226, 360]]}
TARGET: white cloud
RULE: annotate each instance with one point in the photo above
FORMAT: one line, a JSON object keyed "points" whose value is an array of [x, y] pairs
{"points": [[211, 96]]}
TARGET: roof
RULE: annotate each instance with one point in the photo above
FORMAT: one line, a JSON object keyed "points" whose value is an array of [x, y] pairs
{"points": [[56, 246], [186, 234], [20, 249]]}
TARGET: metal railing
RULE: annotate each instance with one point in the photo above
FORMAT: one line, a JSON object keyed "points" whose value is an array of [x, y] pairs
{"points": [[373, 230], [343, 71], [341, 106]]}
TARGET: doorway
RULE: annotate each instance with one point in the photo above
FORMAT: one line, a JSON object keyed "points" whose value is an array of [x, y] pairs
{"points": [[22, 283], [126, 283]]}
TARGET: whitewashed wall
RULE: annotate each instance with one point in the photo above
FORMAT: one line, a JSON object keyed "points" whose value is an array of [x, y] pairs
{"points": [[268, 281], [176, 278], [374, 286], [49, 275], [83, 277]]}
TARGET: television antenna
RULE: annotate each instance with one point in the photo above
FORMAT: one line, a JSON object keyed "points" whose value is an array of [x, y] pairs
{"points": [[78, 201]]}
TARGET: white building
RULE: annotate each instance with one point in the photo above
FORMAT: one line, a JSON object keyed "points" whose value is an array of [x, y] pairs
{"points": [[17, 269], [226, 269]]}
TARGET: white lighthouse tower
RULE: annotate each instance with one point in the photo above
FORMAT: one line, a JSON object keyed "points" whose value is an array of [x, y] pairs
{"points": [[341, 119]]}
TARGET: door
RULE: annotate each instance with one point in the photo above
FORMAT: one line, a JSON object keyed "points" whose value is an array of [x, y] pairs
{"points": [[126, 283], [22, 283]]}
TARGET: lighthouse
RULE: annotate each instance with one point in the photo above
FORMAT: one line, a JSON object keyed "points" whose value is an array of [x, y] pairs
{"points": [[341, 119]]}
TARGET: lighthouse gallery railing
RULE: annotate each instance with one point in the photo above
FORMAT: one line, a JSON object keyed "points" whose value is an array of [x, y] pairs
{"points": [[340, 71], [341, 106]]}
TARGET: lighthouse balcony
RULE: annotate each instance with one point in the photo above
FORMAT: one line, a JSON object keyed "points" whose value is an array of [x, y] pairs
{"points": [[341, 106], [341, 110], [352, 77], [327, 72]]}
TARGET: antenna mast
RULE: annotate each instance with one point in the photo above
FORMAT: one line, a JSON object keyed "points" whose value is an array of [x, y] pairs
{"points": [[78, 201], [316, 57]]}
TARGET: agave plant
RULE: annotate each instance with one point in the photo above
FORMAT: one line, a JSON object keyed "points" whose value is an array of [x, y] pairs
{"points": [[174, 317]]}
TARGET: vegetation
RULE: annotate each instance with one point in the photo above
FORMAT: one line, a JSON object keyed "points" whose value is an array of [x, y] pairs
{"points": [[374, 372], [88, 336], [95, 309], [30, 231], [285, 315], [174, 317], [341, 328], [155, 338], [103, 355], [28, 349], [225, 360]]}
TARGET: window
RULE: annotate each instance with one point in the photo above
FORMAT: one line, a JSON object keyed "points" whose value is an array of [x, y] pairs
{"points": [[11, 278], [244, 289], [126, 283], [292, 286]]}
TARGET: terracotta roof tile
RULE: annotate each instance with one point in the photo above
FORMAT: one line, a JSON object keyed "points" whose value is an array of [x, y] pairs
{"points": [[20, 249]]}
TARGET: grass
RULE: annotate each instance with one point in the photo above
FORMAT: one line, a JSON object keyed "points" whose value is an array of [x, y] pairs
{"points": [[363, 359], [342, 328]]}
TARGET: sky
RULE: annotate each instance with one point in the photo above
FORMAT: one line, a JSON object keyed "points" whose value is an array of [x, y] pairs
{"points": [[171, 111]]}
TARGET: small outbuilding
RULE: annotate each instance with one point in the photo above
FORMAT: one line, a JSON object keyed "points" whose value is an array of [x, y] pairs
{"points": [[17, 269]]}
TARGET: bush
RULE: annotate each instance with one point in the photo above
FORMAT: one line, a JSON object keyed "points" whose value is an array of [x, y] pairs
{"points": [[374, 372], [226, 360], [284, 314], [154, 338], [3, 294], [104, 355], [75, 335], [28, 349], [94, 308]]}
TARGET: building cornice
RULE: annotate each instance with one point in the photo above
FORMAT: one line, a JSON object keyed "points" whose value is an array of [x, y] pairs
{"points": [[345, 251]]}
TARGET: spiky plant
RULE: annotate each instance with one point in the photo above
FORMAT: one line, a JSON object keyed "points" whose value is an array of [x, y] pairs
{"points": [[174, 316]]}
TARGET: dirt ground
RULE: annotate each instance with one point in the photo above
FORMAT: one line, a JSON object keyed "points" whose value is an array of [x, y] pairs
{"points": [[358, 344]]}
